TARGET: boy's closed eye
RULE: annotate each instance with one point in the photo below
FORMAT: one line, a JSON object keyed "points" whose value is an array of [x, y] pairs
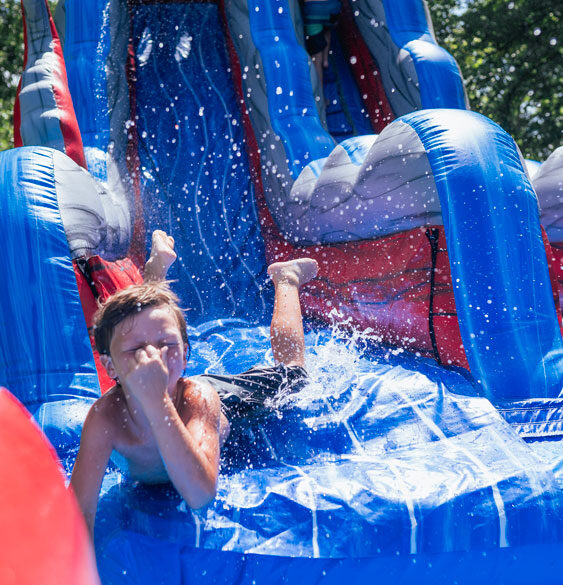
{"points": [[169, 344], [134, 349], [161, 345]]}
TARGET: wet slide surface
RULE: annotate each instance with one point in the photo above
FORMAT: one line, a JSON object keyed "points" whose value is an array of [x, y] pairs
{"points": [[194, 169], [390, 446], [351, 447], [345, 114]]}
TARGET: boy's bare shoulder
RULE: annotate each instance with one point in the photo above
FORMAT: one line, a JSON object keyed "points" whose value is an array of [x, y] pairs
{"points": [[198, 394], [110, 410]]}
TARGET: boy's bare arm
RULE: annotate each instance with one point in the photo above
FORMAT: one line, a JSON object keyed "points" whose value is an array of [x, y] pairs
{"points": [[189, 449], [91, 462]]}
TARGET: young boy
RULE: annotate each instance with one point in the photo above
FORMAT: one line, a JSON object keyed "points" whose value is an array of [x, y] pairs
{"points": [[169, 428]]}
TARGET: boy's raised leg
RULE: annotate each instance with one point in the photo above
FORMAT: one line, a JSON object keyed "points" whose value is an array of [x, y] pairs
{"points": [[286, 330], [161, 258]]}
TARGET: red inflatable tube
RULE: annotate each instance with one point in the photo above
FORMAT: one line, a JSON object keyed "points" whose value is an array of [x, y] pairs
{"points": [[43, 537], [96, 282], [556, 267], [365, 71]]}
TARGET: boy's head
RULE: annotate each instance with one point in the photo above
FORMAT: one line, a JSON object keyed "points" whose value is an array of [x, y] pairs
{"points": [[128, 303]]}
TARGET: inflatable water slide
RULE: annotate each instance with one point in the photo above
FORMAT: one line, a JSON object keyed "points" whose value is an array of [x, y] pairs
{"points": [[427, 446]]}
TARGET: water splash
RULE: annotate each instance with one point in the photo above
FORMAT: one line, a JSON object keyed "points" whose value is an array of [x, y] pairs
{"points": [[183, 47], [335, 358]]}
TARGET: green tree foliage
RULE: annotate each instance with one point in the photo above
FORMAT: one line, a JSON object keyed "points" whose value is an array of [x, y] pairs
{"points": [[509, 52], [11, 62]]}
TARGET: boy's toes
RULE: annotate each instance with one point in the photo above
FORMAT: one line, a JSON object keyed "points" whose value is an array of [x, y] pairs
{"points": [[157, 234]]}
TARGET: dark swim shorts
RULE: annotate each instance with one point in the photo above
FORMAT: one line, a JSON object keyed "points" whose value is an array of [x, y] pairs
{"points": [[247, 394]]}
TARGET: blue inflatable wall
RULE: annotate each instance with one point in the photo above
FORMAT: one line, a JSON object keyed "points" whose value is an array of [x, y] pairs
{"points": [[45, 353], [502, 288]]}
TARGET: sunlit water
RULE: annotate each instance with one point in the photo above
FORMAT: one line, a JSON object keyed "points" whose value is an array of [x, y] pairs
{"points": [[354, 401]]}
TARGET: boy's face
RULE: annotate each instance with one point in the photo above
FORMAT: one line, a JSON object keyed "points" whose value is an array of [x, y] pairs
{"points": [[156, 326]]}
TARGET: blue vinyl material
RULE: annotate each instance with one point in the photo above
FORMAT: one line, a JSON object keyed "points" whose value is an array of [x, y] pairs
{"points": [[195, 179], [502, 288], [291, 105], [383, 461], [531, 564], [346, 115], [86, 48], [45, 352], [439, 78]]}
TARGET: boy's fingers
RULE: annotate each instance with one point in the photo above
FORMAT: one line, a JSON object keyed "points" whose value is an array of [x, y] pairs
{"points": [[140, 354], [151, 351]]}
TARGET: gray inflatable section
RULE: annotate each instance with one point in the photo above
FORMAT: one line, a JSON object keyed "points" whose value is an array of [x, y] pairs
{"points": [[369, 186], [104, 128], [39, 112], [396, 65], [548, 183], [118, 189], [97, 214], [94, 219], [532, 167]]}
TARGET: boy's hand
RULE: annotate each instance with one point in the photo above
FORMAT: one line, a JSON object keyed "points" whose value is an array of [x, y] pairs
{"points": [[148, 379]]}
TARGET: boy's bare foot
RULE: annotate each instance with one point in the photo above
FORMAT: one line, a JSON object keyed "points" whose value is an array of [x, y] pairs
{"points": [[162, 256], [295, 272]]}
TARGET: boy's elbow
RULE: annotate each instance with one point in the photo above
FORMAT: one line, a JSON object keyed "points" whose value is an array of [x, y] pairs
{"points": [[205, 496]]}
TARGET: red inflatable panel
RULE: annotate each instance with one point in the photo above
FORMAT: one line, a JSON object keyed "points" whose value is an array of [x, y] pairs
{"points": [[106, 278], [109, 277], [555, 261], [43, 537], [384, 285], [365, 71]]}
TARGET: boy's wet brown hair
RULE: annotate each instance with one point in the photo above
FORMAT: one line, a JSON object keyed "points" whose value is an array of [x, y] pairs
{"points": [[130, 301]]}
